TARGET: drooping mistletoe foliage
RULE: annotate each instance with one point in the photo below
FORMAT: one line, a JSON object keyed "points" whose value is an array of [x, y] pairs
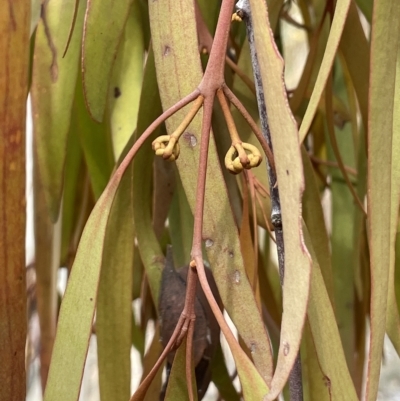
{"points": [[115, 83]]}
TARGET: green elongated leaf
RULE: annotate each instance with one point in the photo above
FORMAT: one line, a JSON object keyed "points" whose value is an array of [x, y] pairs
{"points": [[314, 219], [221, 378], [341, 10], [326, 336], [53, 89], [181, 225], [114, 307], [164, 187], [149, 247], [96, 144], [314, 383], [78, 305], [177, 385], [355, 49], [126, 81], [392, 318], [343, 211], [75, 196], [14, 72], [104, 25], [174, 43], [47, 259], [384, 41], [291, 185]]}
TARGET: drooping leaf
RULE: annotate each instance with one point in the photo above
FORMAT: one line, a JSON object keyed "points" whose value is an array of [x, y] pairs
{"points": [[95, 139], [341, 10], [289, 172], [326, 336], [114, 307], [314, 219], [53, 89], [78, 306], [355, 49], [47, 257], [126, 81], [384, 41], [392, 318], [149, 247], [104, 25]]}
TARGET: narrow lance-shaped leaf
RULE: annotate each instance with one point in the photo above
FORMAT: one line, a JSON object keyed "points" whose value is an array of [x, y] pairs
{"points": [[149, 247], [289, 169], [126, 81], [341, 10], [114, 308], [104, 25], [393, 319], [53, 89], [384, 41], [326, 336]]}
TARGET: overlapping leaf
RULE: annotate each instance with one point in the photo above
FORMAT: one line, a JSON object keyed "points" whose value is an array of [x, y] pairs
{"points": [[291, 184]]}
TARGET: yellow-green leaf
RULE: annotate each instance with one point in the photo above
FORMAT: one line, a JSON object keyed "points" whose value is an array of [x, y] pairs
{"points": [[341, 10], [114, 307], [126, 81], [53, 89], [291, 185], [104, 25], [384, 41]]}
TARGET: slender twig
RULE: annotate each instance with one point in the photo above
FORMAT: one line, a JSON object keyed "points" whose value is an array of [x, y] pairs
{"points": [[329, 163], [295, 378]]}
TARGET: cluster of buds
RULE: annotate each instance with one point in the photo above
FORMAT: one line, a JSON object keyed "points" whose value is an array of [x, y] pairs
{"points": [[237, 158]]}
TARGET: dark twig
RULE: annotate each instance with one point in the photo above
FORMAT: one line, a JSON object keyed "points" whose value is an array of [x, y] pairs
{"points": [[244, 12]]}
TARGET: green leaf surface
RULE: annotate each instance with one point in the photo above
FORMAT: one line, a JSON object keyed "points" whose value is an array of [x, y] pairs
{"points": [[384, 41], [314, 382], [392, 318], [75, 196], [343, 212], [104, 26], [291, 185], [78, 305], [176, 55], [47, 257], [96, 143], [149, 247], [355, 49], [326, 336], [181, 225], [221, 379], [53, 89], [314, 219], [114, 306], [126, 81], [341, 10], [177, 389]]}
